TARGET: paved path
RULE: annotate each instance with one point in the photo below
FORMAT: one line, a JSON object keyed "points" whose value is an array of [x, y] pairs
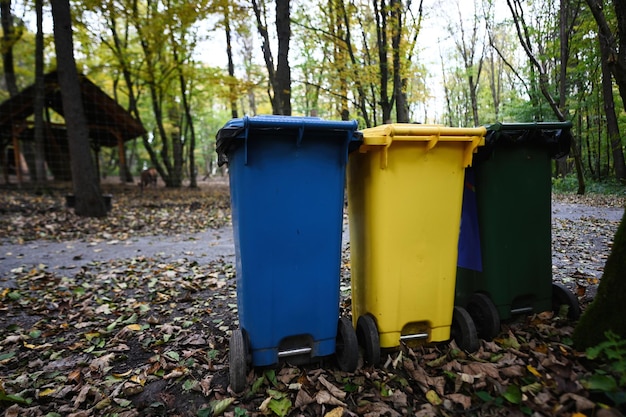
{"points": [[202, 247]]}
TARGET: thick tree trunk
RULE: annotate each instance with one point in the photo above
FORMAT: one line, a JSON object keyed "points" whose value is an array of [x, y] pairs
{"points": [[89, 201], [606, 312]]}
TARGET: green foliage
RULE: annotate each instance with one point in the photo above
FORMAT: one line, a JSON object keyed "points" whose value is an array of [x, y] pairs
{"points": [[569, 184], [610, 377]]}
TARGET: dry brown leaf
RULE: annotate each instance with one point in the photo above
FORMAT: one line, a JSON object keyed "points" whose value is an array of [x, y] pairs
{"points": [[325, 397], [377, 409], [303, 399], [82, 395], [582, 403], [513, 371], [463, 400], [479, 369], [336, 392], [13, 411], [101, 364], [287, 374], [399, 399]]}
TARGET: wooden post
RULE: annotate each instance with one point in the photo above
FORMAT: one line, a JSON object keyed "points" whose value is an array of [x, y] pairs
{"points": [[120, 147], [16, 152]]}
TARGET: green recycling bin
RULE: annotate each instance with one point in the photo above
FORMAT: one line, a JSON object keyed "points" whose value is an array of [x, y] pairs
{"points": [[505, 253]]}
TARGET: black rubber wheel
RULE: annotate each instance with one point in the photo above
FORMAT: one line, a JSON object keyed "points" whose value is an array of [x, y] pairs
{"points": [[463, 330], [562, 295], [346, 346], [367, 333], [238, 358], [485, 316]]}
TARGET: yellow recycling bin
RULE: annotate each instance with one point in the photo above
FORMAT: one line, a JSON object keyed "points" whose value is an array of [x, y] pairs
{"points": [[405, 191]]}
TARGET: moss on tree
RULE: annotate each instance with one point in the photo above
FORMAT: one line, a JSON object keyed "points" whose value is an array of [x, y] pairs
{"points": [[608, 309]]}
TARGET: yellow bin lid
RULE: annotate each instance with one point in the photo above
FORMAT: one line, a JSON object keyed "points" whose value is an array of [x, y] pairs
{"points": [[385, 135]]}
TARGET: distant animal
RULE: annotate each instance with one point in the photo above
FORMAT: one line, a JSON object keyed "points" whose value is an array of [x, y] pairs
{"points": [[148, 178]]}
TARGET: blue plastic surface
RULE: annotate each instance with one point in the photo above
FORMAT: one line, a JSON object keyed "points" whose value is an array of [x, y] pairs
{"points": [[287, 179]]}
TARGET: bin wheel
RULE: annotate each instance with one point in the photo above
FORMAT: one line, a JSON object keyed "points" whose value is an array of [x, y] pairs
{"points": [[485, 316], [346, 346], [562, 295], [463, 330], [367, 333], [238, 359]]}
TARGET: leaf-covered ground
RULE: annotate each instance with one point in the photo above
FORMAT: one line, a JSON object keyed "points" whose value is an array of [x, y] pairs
{"points": [[149, 335]]}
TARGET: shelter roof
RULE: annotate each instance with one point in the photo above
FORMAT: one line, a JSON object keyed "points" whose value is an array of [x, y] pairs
{"points": [[107, 120]]}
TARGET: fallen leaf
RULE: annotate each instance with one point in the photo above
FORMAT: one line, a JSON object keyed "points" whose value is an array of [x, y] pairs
{"points": [[303, 399], [335, 412], [433, 398], [464, 401], [336, 392], [325, 397]]}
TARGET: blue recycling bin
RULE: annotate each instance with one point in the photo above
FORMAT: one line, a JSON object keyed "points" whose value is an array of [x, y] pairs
{"points": [[287, 179]]}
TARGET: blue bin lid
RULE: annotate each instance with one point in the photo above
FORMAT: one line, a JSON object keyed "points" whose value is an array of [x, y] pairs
{"points": [[236, 131]]}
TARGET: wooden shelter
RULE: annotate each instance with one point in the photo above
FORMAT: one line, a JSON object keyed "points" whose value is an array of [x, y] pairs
{"points": [[109, 124]]}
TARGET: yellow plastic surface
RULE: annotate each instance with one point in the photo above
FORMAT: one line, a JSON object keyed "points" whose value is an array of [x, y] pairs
{"points": [[405, 189]]}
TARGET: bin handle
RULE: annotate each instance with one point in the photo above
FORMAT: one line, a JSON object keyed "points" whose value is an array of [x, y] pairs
{"points": [[472, 148], [246, 127], [432, 142], [384, 161]]}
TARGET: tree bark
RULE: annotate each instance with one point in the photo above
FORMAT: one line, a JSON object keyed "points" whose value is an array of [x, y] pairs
{"points": [[279, 77], [38, 102], [544, 85], [380, 12], [231, 64], [607, 310], [611, 117], [615, 61], [8, 39], [282, 89], [85, 181], [399, 84]]}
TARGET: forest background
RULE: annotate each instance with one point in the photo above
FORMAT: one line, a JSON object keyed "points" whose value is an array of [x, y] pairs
{"points": [[183, 69]]}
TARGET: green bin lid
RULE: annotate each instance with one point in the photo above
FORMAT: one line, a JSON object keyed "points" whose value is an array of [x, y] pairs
{"points": [[555, 137]]}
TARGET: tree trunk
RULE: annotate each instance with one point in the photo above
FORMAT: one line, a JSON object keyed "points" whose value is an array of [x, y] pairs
{"points": [[282, 87], [231, 64], [399, 85], [132, 99], [38, 102], [382, 45], [279, 77], [357, 80], [611, 118], [544, 85], [616, 63], [606, 312], [8, 39], [85, 181]]}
